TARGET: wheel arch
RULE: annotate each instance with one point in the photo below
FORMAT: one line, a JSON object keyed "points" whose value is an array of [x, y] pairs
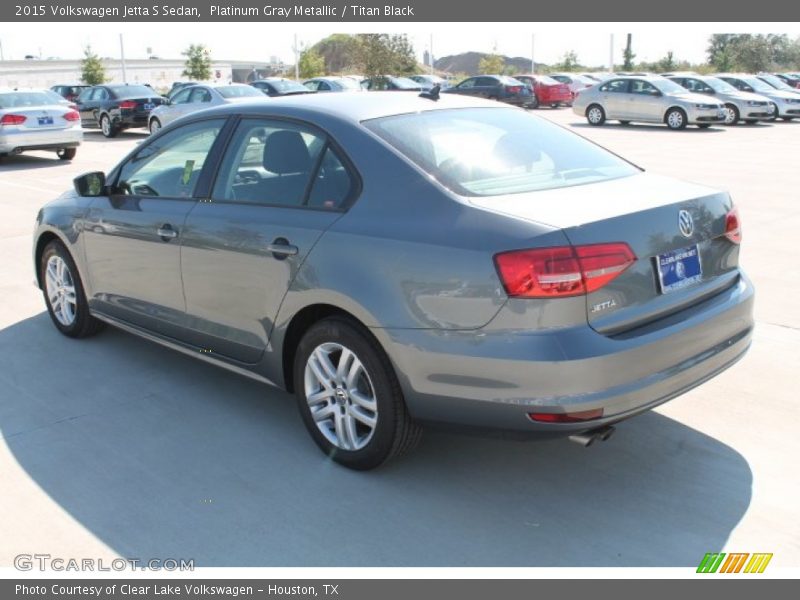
{"points": [[672, 107], [42, 241]]}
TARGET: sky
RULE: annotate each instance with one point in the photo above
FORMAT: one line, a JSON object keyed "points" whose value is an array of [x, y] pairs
{"points": [[259, 41]]}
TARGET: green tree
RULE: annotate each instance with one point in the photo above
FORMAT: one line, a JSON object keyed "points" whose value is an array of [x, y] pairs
{"points": [[311, 64], [198, 62], [667, 63], [628, 54], [384, 54], [341, 53], [92, 70], [491, 63], [569, 62]]}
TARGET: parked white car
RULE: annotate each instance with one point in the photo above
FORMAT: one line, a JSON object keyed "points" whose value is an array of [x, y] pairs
{"points": [[745, 106], [36, 120]]}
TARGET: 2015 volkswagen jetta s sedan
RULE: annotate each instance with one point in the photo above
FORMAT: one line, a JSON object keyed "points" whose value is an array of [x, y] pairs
{"points": [[396, 259]]}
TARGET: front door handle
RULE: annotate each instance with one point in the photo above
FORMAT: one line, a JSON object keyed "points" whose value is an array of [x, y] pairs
{"points": [[166, 232], [281, 248]]}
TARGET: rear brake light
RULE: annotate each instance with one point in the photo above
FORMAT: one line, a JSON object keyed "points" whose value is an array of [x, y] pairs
{"points": [[127, 104], [513, 89], [13, 119], [570, 417], [563, 270], [733, 226], [72, 115]]}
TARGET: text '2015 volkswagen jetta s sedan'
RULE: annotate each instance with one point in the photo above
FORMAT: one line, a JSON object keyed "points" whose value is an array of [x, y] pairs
{"points": [[394, 259]]}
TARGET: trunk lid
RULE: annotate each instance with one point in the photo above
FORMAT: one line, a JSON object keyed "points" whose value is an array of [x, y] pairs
{"points": [[643, 211], [40, 118]]}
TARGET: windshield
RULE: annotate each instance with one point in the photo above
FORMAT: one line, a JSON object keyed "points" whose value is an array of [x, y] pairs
{"points": [[133, 91], [718, 85], [758, 85], [776, 82], [348, 83], [495, 151], [239, 91], [287, 85], [668, 86], [26, 99]]}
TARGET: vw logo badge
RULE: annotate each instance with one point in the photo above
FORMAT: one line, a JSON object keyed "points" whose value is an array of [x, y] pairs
{"points": [[685, 223]]}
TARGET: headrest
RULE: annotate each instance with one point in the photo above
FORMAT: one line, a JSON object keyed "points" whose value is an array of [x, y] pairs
{"points": [[286, 152]]}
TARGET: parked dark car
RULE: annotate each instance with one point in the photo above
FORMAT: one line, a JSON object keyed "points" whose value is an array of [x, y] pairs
{"points": [[495, 87], [70, 91], [388, 83], [113, 108], [279, 86]]}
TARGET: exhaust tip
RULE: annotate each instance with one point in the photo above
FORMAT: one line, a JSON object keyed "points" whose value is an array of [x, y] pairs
{"points": [[587, 438]]}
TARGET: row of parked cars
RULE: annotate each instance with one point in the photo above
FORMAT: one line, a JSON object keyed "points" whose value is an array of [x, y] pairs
{"points": [[687, 98]]}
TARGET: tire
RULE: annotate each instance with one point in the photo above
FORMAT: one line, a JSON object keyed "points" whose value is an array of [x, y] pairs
{"points": [[624, 122], [595, 115], [554, 105], [773, 118], [750, 122], [107, 127], [675, 119], [534, 102], [704, 125], [67, 153], [63, 293], [731, 114], [787, 119], [154, 126], [358, 434]]}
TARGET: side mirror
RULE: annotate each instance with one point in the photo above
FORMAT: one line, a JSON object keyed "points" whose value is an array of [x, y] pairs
{"points": [[656, 93], [90, 184]]}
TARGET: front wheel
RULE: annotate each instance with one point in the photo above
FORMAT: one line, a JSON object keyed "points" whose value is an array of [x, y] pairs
{"points": [[595, 115], [675, 119], [349, 397], [64, 294], [731, 114]]}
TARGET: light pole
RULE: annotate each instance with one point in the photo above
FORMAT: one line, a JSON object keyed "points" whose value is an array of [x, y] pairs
{"points": [[533, 54], [122, 57]]}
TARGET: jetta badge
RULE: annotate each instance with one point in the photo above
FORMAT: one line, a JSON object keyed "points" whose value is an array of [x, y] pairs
{"points": [[685, 223]]}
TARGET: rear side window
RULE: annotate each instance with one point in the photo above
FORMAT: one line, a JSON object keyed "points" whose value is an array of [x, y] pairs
{"points": [[277, 163], [495, 151]]}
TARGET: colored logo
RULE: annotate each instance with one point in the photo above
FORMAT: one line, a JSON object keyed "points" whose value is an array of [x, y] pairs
{"points": [[734, 562]]}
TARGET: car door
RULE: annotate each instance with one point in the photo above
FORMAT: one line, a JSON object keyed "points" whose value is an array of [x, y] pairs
{"points": [[613, 97], [132, 236], [487, 87], [89, 104], [467, 87], [280, 185], [178, 106], [645, 101]]}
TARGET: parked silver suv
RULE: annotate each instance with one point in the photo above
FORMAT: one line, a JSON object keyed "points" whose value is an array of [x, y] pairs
{"points": [[746, 106], [647, 99]]}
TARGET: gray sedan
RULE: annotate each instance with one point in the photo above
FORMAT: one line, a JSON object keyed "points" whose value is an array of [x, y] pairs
{"points": [[395, 259], [647, 99], [38, 120], [198, 97], [786, 103], [745, 106]]}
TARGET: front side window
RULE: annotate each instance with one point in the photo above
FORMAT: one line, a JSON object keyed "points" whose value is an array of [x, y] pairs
{"points": [[200, 95], [277, 163], [170, 165], [642, 87], [182, 97], [617, 85], [467, 84], [496, 151]]}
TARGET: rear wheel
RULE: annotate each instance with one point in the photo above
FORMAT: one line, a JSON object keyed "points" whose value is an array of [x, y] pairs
{"points": [[534, 102], [349, 397], [624, 122], [67, 153], [675, 118], [64, 294], [107, 128], [731, 114], [595, 115]]}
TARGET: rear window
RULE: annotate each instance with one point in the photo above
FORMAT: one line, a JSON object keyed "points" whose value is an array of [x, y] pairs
{"points": [[496, 151], [285, 85], [133, 91], [26, 99], [547, 80], [350, 84], [239, 91]]}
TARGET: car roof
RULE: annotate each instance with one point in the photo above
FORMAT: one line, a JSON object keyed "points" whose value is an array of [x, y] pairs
{"points": [[354, 107]]}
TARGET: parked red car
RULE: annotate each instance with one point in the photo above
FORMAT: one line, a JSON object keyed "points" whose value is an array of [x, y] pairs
{"points": [[547, 91]]}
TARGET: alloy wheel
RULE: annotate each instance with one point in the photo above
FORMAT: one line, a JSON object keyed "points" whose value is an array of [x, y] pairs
{"points": [[340, 396], [61, 290], [595, 115], [675, 119]]}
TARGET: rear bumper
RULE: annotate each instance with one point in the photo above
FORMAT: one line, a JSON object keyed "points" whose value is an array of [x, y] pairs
{"points": [[494, 379], [40, 140]]}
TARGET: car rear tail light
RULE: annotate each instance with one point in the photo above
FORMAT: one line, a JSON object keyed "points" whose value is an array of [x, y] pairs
{"points": [[562, 270], [72, 115], [127, 104], [733, 226], [513, 89], [13, 119], [570, 417]]}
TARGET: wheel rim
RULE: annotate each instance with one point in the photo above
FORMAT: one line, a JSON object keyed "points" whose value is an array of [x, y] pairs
{"points": [[730, 115], [105, 126], [155, 125], [595, 115], [675, 119], [61, 290], [340, 396]]}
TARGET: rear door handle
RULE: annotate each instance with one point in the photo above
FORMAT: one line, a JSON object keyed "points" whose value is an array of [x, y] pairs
{"points": [[166, 232], [281, 248]]}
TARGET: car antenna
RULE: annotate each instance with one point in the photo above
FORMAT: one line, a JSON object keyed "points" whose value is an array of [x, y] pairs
{"points": [[432, 94]]}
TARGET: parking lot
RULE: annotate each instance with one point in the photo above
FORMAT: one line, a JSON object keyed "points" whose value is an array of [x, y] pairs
{"points": [[114, 446]]}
